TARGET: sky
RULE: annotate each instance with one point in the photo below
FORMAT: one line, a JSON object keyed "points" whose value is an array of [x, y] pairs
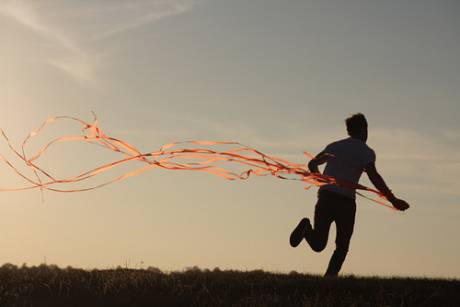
{"points": [[280, 76]]}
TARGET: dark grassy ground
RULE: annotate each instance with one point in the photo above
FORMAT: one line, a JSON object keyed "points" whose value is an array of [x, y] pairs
{"points": [[52, 286]]}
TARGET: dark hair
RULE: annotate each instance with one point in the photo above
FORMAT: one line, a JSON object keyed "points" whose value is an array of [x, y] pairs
{"points": [[356, 124]]}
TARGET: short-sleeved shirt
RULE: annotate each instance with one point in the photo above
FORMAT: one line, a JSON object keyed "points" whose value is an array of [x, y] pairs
{"points": [[349, 158]]}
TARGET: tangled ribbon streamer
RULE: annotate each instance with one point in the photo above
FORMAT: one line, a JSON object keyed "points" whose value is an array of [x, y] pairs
{"points": [[169, 157]]}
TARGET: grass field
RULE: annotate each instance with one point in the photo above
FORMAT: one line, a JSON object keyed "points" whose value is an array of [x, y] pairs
{"points": [[53, 286]]}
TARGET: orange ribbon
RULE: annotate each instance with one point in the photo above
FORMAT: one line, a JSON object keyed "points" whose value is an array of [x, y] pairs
{"points": [[169, 157]]}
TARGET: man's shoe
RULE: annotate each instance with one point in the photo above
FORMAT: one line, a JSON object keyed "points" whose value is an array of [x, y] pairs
{"points": [[298, 234]]}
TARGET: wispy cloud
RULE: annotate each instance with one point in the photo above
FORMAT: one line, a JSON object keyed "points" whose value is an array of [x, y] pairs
{"points": [[69, 27], [142, 13]]}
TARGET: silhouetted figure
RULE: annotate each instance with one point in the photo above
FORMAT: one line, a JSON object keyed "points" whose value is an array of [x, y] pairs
{"points": [[345, 160]]}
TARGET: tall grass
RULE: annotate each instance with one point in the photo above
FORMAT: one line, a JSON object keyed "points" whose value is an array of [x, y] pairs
{"points": [[52, 286]]}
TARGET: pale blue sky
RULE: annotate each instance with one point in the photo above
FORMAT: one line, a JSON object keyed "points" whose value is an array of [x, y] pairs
{"points": [[277, 75]]}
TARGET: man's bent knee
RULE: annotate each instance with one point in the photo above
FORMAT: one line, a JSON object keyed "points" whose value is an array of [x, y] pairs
{"points": [[318, 247]]}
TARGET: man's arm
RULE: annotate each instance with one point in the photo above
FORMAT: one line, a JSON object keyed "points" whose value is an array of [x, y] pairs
{"points": [[380, 184], [320, 158]]}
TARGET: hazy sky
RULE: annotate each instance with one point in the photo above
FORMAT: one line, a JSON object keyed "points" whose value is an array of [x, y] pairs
{"points": [[280, 76]]}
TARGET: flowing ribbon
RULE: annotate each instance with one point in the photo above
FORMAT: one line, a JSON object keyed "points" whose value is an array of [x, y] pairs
{"points": [[171, 157]]}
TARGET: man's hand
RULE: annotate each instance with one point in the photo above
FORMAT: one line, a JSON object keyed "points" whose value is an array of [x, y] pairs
{"points": [[318, 160], [400, 204]]}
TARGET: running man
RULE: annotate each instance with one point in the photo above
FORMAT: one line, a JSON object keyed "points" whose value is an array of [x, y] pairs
{"points": [[345, 160]]}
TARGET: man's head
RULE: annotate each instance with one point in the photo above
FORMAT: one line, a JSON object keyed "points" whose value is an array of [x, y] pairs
{"points": [[357, 126]]}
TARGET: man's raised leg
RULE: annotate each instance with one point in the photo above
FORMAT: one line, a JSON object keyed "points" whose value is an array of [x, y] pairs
{"points": [[318, 235]]}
